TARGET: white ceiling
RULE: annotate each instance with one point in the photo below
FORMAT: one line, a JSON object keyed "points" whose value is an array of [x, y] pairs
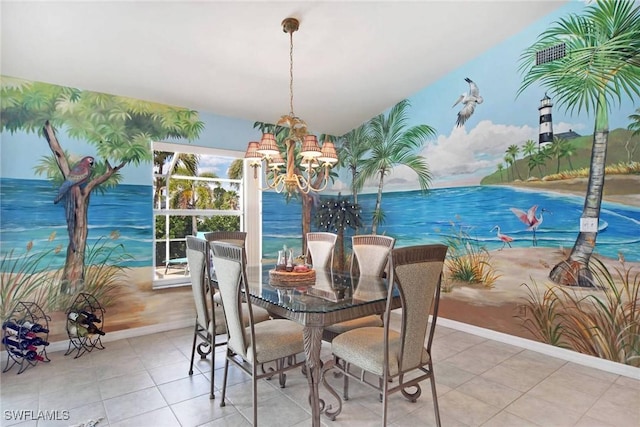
{"points": [[352, 59]]}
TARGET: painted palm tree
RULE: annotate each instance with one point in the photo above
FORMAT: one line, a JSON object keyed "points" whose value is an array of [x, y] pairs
{"points": [[536, 161], [512, 151], [529, 148], [509, 161], [352, 151], [567, 149], [602, 67], [635, 127], [393, 144], [500, 168], [555, 149]]}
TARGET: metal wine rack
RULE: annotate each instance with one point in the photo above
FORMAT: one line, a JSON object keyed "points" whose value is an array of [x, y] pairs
{"points": [[84, 343], [25, 311]]}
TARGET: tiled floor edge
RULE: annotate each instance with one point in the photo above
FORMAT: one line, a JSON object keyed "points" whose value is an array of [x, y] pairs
{"points": [[549, 350], [118, 335]]}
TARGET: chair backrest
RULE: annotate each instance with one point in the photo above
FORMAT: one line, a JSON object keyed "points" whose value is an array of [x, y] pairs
{"points": [[196, 250], [229, 261], [417, 273], [320, 246], [237, 238], [371, 252]]}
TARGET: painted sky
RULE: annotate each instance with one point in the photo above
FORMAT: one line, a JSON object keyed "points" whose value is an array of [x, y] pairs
{"points": [[462, 156], [458, 156]]}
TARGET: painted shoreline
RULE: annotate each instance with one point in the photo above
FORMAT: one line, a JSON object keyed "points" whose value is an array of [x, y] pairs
{"points": [[139, 305], [493, 308], [622, 189]]}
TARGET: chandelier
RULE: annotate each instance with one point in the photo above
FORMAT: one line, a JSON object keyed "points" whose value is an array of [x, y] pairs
{"points": [[282, 175]]}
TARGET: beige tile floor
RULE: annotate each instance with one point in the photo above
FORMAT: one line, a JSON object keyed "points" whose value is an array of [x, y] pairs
{"points": [[144, 381]]}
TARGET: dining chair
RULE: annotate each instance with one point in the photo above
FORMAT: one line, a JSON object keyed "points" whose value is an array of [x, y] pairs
{"points": [[249, 347], [399, 360], [370, 255], [320, 249], [206, 327], [236, 237], [209, 321]]}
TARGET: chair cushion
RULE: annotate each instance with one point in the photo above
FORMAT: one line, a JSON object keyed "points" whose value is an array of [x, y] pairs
{"points": [[372, 321], [276, 339], [364, 347], [259, 314]]}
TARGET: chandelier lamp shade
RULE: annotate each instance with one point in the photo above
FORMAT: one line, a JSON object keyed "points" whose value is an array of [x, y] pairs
{"points": [[281, 171]]}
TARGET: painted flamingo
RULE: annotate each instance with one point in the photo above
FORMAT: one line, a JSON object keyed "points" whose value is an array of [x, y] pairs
{"points": [[506, 240], [530, 219]]}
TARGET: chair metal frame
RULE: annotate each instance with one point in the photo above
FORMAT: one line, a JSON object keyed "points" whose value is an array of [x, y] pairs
{"points": [[416, 272], [322, 244], [205, 324], [244, 342]]}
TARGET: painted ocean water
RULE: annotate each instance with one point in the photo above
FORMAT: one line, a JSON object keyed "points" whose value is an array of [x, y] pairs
{"points": [[29, 215], [413, 218]]}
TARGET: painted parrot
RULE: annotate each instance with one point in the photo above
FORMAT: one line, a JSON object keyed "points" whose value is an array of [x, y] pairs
{"points": [[78, 175]]}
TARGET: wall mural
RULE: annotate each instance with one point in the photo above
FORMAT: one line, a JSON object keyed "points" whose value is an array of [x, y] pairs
{"points": [[508, 165]]}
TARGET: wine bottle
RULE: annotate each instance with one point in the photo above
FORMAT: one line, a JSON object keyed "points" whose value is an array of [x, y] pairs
{"points": [[29, 355], [32, 355], [18, 344], [22, 344], [36, 341], [34, 327], [18, 331], [76, 330], [93, 329], [90, 316], [81, 320]]}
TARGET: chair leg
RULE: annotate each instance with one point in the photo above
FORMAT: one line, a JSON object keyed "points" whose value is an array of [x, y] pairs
{"points": [[282, 377], [345, 388], [193, 348], [436, 410], [254, 389], [224, 378], [385, 397], [213, 363]]}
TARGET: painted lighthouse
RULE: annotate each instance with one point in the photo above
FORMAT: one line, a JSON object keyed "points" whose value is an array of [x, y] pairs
{"points": [[546, 125]]}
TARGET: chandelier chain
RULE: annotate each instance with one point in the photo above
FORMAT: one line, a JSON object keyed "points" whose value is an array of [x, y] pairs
{"points": [[291, 72]]}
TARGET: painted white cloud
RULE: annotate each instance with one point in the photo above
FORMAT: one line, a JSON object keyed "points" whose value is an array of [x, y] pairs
{"points": [[463, 158]]}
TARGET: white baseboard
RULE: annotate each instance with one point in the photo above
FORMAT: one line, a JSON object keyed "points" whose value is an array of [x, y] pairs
{"points": [[549, 350]]}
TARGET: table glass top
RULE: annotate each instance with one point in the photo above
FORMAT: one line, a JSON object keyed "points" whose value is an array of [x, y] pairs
{"points": [[331, 291]]}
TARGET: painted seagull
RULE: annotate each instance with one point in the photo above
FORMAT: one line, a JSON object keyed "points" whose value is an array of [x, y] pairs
{"points": [[469, 101]]}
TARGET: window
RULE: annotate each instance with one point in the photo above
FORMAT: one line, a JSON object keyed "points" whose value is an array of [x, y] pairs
{"points": [[195, 190]]}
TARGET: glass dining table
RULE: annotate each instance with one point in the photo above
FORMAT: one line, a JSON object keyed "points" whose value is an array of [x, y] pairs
{"points": [[331, 298]]}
